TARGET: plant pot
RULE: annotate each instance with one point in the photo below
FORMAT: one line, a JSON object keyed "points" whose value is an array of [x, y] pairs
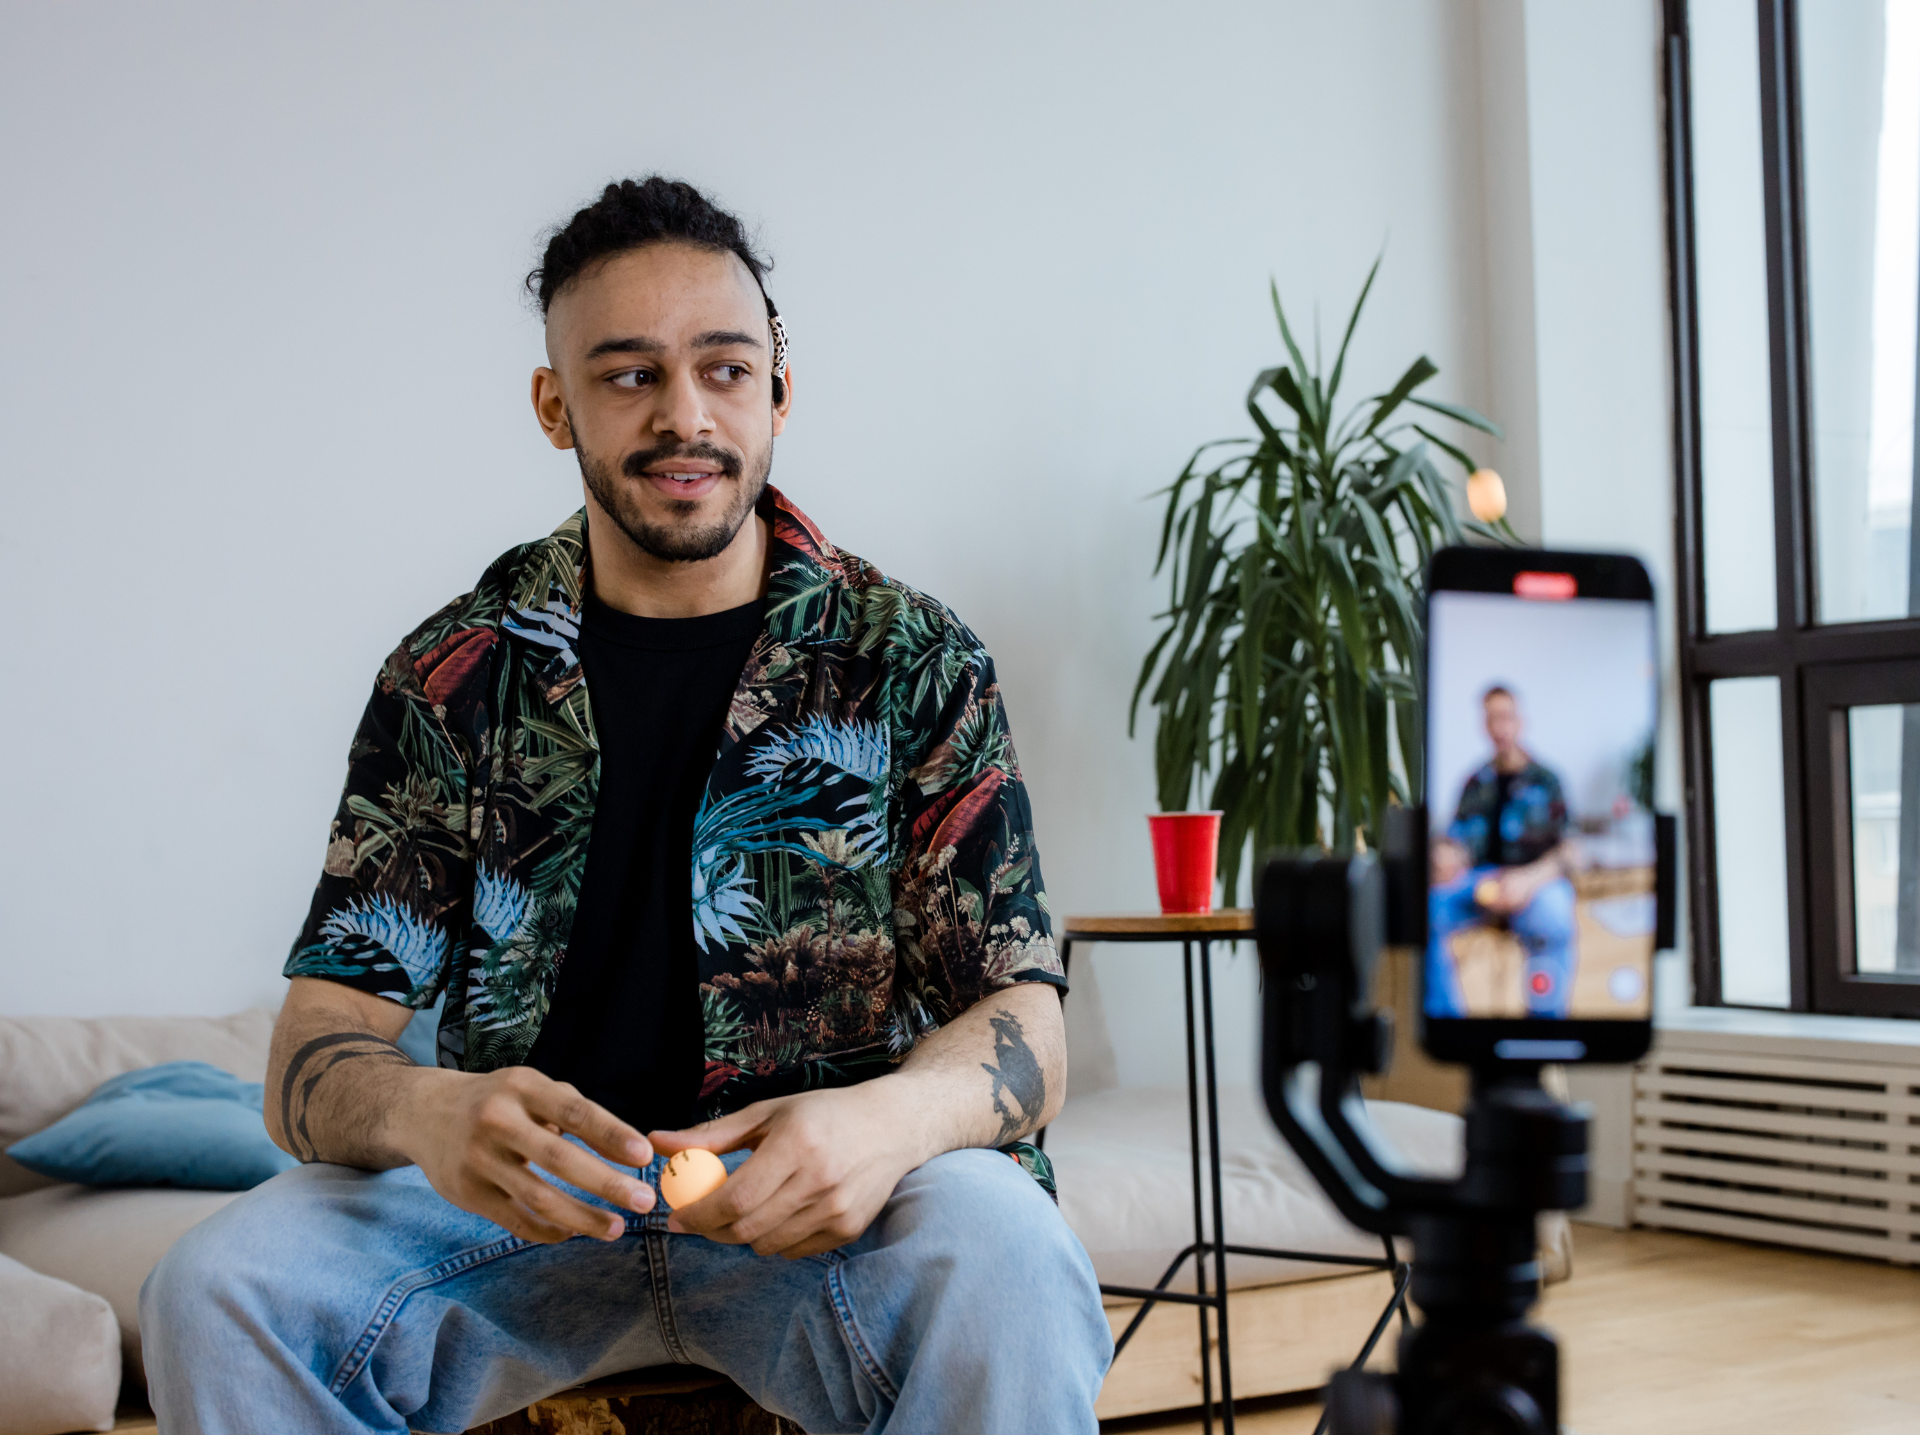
{"points": [[1186, 850]]}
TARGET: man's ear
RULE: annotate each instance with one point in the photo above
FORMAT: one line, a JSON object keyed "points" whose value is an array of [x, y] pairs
{"points": [[550, 407], [785, 405]]}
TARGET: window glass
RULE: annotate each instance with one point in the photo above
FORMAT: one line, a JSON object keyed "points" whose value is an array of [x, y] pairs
{"points": [[1860, 155], [1883, 744], [1749, 840], [1730, 294]]}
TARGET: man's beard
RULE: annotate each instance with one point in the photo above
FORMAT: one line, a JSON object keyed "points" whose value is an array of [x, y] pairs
{"points": [[676, 543]]}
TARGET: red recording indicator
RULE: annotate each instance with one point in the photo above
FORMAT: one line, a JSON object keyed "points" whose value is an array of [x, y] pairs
{"points": [[1553, 587]]}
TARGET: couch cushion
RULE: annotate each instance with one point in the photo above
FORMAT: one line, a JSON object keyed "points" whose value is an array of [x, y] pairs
{"points": [[50, 1064], [103, 1241], [59, 1355], [182, 1123], [1126, 1185]]}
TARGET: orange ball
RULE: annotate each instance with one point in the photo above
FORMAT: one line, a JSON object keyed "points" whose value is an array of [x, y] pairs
{"points": [[1487, 893], [691, 1174]]}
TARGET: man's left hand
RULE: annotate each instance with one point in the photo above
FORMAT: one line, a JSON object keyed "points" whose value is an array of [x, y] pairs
{"points": [[824, 1163], [1517, 886]]}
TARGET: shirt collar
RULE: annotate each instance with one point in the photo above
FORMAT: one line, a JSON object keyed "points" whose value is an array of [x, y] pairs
{"points": [[806, 578]]}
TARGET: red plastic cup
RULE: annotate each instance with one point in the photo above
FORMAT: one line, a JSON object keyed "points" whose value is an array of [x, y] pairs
{"points": [[1186, 852]]}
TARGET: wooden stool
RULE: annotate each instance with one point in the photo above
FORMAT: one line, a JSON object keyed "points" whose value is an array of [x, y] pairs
{"points": [[666, 1400]]}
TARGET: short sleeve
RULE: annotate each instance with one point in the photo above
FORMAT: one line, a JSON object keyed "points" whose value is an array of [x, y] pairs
{"points": [[969, 901], [398, 873]]}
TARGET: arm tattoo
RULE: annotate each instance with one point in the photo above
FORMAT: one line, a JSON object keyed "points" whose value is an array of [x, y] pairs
{"points": [[1017, 1071], [312, 1062]]}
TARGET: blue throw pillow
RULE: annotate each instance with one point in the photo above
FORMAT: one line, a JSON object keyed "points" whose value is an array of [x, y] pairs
{"points": [[182, 1124]]}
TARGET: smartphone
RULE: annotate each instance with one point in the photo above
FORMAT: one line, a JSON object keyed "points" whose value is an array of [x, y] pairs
{"points": [[1542, 698]]}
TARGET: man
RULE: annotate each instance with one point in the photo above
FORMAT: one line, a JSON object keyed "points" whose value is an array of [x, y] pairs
{"points": [[691, 817], [1506, 861]]}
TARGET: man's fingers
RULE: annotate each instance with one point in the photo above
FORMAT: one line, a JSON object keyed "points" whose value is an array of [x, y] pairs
{"points": [[807, 1231], [754, 1199], [553, 1207], [817, 1245], [519, 1221], [587, 1171], [743, 1128], [556, 1102], [500, 1208]]}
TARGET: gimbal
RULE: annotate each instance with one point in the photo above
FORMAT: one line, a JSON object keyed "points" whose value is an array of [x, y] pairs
{"points": [[1472, 1366]]}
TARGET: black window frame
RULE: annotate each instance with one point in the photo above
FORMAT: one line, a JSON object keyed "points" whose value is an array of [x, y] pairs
{"points": [[1817, 665]]}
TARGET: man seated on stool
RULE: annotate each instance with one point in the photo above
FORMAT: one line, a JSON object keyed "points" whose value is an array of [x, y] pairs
{"points": [[704, 829], [1505, 861]]}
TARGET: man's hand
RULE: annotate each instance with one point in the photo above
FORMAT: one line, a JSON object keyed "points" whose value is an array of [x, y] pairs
{"points": [[824, 1164], [1514, 887], [477, 1139], [341, 1091]]}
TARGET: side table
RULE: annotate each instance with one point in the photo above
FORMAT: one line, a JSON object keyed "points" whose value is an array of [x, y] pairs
{"points": [[1200, 930]]}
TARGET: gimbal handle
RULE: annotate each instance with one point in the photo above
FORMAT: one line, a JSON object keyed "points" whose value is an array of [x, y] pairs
{"points": [[1320, 924]]}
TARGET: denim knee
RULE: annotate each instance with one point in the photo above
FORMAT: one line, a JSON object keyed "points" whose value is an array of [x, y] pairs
{"points": [[1548, 919], [973, 1306], [981, 1229], [192, 1304]]}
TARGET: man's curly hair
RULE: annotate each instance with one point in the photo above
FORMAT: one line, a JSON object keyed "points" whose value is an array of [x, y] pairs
{"points": [[633, 214]]}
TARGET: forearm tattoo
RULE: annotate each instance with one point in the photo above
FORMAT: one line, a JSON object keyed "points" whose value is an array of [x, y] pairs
{"points": [[1015, 1070], [310, 1064]]}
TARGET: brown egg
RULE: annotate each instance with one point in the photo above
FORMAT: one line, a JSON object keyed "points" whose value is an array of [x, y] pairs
{"points": [[1486, 495], [1486, 894], [691, 1174]]}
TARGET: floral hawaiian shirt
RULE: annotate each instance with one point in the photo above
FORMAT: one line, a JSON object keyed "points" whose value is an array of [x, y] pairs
{"points": [[1521, 824], [862, 866]]}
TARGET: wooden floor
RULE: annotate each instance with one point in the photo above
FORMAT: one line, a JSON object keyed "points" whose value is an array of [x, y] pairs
{"points": [[1669, 1335], [1665, 1334]]}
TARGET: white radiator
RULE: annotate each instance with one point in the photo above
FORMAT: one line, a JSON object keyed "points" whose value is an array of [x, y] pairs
{"points": [[1770, 1137]]}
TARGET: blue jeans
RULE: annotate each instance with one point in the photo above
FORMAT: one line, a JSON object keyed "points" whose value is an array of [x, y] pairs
{"points": [[1545, 928], [335, 1300]]}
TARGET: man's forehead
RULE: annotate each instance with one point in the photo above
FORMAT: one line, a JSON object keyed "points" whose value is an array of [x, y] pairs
{"points": [[668, 292]]}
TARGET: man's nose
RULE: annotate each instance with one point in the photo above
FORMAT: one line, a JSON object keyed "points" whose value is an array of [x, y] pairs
{"points": [[682, 409]]}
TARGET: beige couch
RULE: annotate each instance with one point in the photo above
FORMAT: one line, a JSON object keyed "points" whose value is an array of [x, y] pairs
{"points": [[1120, 1153]]}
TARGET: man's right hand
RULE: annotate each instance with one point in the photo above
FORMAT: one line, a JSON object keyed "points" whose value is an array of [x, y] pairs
{"points": [[343, 1092], [478, 1137]]}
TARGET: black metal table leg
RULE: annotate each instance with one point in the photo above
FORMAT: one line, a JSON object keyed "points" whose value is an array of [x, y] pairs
{"points": [[1201, 1052], [1213, 1170], [1199, 1228]]}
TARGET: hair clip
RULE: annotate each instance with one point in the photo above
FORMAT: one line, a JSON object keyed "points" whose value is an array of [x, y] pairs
{"points": [[779, 345]]}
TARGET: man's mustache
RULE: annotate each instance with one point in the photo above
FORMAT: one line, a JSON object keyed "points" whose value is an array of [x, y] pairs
{"points": [[636, 464]]}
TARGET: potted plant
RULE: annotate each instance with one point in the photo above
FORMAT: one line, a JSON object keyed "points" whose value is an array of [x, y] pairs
{"points": [[1287, 669]]}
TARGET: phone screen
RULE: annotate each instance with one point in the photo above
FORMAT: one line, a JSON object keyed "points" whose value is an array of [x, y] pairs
{"points": [[1541, 700]]}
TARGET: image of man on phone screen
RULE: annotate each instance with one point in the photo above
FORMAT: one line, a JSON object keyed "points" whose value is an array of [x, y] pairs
{"points": [[1504, 864]]}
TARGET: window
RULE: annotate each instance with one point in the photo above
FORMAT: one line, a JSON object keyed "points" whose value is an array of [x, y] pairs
{"points": [[1793, 162]]}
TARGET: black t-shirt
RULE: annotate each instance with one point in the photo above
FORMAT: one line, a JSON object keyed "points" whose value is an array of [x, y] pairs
{"points": [[1503, 852], [625, 1022]]}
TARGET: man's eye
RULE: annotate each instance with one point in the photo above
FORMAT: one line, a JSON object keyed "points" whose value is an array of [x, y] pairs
{"points": [[730, 373], [631, 379]]}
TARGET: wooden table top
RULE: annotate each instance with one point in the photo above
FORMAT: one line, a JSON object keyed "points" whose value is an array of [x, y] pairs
{"points": [[1228, 921]]}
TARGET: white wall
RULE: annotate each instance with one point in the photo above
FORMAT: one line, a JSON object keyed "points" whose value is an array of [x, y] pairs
{"points": [[263, 398], [1580, 679]]}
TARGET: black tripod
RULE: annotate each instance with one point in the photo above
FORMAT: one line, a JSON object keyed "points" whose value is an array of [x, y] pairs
{"points": [[1472, 1366]]}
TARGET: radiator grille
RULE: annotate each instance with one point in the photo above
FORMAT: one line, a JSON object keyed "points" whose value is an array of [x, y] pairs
{"points": [[1769, 1147]]}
